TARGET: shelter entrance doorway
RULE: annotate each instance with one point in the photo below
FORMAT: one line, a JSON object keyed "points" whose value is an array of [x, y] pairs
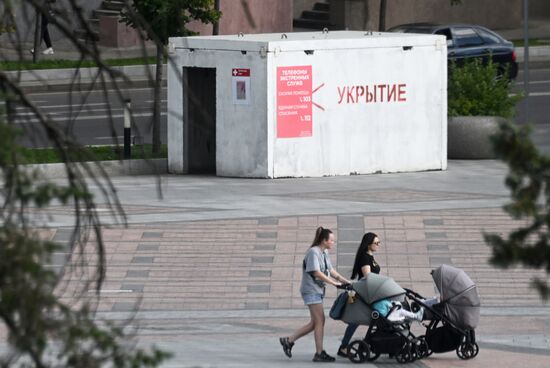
{"points": [[199, 94]]}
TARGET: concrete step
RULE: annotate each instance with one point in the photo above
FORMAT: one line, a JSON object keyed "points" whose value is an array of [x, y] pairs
{"points": [[94, 23], [316, 15], [312, 24], [322, 7], [105, 12], [113, 5]]}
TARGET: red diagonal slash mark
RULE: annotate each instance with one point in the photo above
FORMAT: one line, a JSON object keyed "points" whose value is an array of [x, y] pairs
{"points": [[315, 90], [318, 106], [318, 88]]}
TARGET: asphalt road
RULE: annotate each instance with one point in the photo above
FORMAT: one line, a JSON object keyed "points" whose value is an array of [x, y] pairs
{"points": [[87, 115], [93, 118], [539, 96]]}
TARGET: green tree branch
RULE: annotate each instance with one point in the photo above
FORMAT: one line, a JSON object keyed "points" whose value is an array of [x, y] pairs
{"points": [[529, 182]]}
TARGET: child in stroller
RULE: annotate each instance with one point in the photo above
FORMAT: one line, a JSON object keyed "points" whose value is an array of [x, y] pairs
{"points": [[395, 312]]}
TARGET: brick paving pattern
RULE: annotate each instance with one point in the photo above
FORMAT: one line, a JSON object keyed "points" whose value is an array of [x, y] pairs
{"points": [[215, 282]]}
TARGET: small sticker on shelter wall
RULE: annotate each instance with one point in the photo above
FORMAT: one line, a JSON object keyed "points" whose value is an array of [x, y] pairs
{"points": [[240, 85], [294, 111]]}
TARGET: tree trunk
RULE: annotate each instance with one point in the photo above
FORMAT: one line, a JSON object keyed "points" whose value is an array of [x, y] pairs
{"points": [[157, 99], [367, 14], [382, 16], [216, 26]]}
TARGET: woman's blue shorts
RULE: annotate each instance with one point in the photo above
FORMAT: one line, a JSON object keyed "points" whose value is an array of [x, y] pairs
{"points": [[312, 298]]}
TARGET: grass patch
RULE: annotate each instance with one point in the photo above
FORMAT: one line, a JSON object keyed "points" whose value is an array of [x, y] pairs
{"points": [[91, 153], [66, 64], [533, 42]]}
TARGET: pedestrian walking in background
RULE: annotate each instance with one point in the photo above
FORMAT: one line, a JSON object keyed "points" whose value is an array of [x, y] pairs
{"points": [[44, 33], [317, 271], [363, 264]]}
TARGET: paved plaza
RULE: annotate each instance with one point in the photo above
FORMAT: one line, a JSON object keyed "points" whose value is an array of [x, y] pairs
{"points": [[215, 264]]}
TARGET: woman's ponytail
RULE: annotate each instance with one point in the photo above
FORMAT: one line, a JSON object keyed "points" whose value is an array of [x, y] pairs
{"points": [[321, 234]]}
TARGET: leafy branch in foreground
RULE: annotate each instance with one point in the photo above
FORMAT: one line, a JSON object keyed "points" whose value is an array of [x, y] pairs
{"points": [[49, 311], [529, 182]]}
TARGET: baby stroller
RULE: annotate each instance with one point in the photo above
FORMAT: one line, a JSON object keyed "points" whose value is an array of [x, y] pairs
{"points": [[454, 318], [383, 336]]}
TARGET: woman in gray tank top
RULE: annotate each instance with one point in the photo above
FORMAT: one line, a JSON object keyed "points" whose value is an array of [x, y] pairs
{"points": [[317, 271]]}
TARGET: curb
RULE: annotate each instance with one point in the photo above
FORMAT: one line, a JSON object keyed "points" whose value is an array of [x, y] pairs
{"points": [[46, 80], [157, 166], [64, 85], [537, 55]]}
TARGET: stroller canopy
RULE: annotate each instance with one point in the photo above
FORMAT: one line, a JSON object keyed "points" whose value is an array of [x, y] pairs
{"points": [[458, 296], [374, 287], [371, 288]]}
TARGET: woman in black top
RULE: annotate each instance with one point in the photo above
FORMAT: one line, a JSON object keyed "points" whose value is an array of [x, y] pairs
{"points": [[364, 259], [363, 264]]}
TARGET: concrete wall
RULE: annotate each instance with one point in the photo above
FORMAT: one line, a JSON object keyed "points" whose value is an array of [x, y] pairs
{"points": [[490, 13], [352, 136], [241, 136], [251, 16], [539, 9], [113, 33]]}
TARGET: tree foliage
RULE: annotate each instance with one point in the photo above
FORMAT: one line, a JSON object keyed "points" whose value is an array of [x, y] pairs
{"points": [[529, 182], [476, 89], [49, 312], [162, 19], [159, 20]]}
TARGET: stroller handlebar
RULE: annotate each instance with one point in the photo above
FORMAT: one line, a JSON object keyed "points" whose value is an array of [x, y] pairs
{"points": [[344, 286]]}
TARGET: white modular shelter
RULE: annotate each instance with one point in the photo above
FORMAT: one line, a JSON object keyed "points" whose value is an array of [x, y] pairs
{"points": [[307, 104]]}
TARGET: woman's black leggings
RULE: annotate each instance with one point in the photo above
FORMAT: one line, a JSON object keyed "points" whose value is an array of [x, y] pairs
{"points": [[45, 33]]}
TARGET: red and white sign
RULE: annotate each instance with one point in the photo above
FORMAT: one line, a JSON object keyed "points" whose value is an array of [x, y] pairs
{"points": [[294, 107], [240, 85], [240, 72]]}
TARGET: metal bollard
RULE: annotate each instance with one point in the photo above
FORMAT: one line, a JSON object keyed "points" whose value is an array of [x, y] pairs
{"points": [[127, 129]]}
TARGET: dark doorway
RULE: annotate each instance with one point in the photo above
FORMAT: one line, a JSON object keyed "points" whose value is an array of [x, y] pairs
{"points": [[201, 119]]}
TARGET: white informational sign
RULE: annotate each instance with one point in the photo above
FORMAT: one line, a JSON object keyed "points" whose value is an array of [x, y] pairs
{"points": [[241, 86]]}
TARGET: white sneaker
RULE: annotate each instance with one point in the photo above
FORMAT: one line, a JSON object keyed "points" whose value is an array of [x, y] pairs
{"points": [[48, 51]]}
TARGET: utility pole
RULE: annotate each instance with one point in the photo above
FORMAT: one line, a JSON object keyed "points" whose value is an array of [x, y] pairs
{"points": [[37, 34], [526, 57]]}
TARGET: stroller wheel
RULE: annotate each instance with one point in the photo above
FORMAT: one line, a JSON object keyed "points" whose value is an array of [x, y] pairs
{"points": [[467, 350], [421, 348], [358, 351], [428, 350], [476, 350], [404, 355], [373, 356]]}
